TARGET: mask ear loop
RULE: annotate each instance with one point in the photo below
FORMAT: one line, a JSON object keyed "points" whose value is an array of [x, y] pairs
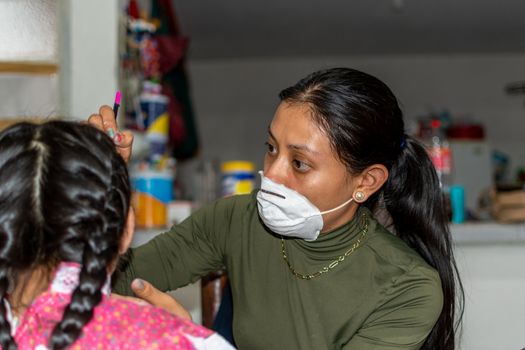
{"points": [[337, 208]]}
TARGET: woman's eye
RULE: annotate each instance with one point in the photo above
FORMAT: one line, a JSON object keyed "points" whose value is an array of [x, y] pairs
{"points": [[301, 166], [271, 148]]}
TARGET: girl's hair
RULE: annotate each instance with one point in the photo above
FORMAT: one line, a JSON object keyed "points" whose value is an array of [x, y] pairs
{"points": [[365, 126], [64, 196]]}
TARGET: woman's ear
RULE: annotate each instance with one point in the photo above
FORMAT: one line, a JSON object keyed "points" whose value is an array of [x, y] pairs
{"points": [[372, 179], [127, 235]]}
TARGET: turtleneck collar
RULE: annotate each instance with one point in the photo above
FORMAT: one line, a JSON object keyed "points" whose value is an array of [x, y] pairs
{"points": [[337, 241]]}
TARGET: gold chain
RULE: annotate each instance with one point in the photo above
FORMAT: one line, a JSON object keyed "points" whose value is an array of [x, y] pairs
{"points": [[334, 263]]}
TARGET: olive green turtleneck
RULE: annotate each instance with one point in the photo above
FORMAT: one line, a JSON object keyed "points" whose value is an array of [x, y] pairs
{"points": [[382, 296]]}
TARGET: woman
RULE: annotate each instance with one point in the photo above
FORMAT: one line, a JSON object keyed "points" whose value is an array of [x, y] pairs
{"points": [[310, 265], [64, 202]]}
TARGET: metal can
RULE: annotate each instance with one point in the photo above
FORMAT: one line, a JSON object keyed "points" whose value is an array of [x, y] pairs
{"points": [[238, 177]]}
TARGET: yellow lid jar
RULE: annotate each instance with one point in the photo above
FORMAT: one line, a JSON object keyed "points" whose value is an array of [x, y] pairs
{"points": [[238, 177]]}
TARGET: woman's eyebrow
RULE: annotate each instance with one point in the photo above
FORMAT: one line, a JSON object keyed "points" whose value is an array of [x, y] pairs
{"points": [[299, 147], [303, 148]]}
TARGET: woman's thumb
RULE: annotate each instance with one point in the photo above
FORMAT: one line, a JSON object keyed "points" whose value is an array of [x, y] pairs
{"points": [[145, 291], [141, 288]]}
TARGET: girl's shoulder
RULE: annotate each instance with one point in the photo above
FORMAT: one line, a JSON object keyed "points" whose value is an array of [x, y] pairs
{"points": [[142, 326]]}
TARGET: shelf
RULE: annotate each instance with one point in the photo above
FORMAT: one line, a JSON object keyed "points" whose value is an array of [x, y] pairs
{"points": [[43, 68]]}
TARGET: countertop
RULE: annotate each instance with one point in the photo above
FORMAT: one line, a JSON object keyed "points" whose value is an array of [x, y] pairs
{"points": [[462, 234], [488, 233]]}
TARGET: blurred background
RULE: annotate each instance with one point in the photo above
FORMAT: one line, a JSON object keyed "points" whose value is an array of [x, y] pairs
{"points": [[458, 61], [200, 83]]}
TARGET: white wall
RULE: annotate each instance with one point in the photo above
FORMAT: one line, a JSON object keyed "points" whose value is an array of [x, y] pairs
{"points": [[235, 100], [86, 48], [24, 95], [494, 279], [89, 55], [28, 32]]}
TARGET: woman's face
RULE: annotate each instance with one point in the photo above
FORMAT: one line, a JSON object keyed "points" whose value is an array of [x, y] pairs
{"points": [[300, 157]]}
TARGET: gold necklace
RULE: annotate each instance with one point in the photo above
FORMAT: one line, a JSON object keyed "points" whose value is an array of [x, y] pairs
{"points": [[334, 263]]}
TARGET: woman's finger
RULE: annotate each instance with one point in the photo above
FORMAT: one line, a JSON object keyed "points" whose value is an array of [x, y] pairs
{"points": [[96, 121], [152, 295], [124, 142], [108, 118], [105, 121]]}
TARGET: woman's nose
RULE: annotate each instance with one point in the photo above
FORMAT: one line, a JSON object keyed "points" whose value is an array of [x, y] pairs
{"points": [[276, 171]]}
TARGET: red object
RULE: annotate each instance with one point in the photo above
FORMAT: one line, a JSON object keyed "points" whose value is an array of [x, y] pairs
{"points": [[435, 124], [172, 51], [466, 132], [133, 9]]}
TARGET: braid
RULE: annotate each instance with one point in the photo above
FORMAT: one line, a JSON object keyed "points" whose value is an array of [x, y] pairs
{"points": [[98, 252], [83, 301], [21, 232], [6, 340], [98, 189], [78, 195]]}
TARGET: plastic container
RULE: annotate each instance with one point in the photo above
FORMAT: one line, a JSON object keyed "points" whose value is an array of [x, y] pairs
{"points": [[238, 177], [153, 192], [154, 109], [441, 155], [457, 203]]}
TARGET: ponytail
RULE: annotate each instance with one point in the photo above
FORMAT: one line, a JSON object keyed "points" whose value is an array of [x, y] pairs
{"points": [[414, 200]]}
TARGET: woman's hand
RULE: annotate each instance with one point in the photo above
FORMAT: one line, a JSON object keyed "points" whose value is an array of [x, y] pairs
{"points": [[105, 121], [147, 293]]}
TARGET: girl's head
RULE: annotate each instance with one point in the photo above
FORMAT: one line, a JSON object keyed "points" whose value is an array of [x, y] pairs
{"points": [[64, 196]]}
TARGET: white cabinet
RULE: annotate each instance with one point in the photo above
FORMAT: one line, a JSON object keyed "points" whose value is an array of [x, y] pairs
{"points": [[491, 263]]}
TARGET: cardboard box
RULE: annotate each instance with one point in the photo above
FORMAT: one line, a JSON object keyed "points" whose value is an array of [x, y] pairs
{"points": [[508, 206]]}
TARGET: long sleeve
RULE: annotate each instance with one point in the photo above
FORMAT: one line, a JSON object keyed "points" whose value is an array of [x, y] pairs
{"points": [[404, 317], [180, 256]]}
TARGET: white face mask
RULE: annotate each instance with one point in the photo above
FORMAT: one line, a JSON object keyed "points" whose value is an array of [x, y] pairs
{"points": [[288, 213]]}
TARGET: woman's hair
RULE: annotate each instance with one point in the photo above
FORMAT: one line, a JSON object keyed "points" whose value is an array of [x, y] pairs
{"points": [[64, 196], [365, 126]]}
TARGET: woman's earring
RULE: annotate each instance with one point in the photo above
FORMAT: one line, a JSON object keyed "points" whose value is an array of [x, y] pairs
{"points": [[359, 196]]}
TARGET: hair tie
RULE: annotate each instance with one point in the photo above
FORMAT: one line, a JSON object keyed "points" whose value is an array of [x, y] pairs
{"points": [[403, 143]]}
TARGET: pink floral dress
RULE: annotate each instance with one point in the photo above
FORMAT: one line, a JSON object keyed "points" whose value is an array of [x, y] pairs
{"points": [[116, 324]]}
